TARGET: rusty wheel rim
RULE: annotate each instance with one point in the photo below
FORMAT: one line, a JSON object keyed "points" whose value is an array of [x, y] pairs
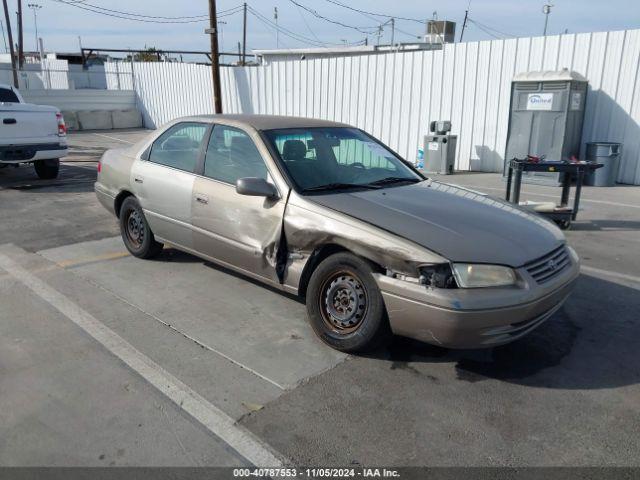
{"points": [[135, 228], [343, 302]]}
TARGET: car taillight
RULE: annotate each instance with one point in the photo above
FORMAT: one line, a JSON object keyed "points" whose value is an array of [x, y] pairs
{"points": [[62, 128], [99, 166]]}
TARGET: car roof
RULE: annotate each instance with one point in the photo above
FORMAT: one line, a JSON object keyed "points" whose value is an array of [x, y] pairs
{"points": [[269, 122]]}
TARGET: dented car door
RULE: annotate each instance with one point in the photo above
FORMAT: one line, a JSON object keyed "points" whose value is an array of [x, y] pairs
{"points": [[239, 230]]}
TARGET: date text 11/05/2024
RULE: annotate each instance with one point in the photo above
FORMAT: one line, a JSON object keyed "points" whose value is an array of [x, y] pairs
{"points": [[315, 473]]}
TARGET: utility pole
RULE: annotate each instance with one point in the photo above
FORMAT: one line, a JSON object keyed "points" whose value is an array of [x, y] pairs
{"points": [[546, 10], [35, 7], [393, 30], [244, 36], [464, 23], [215, 56], [20, 36], [10, 38], [275, 18]]}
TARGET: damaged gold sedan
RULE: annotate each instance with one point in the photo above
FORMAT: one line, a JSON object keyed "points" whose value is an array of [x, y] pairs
{"points": [[325, 211]]}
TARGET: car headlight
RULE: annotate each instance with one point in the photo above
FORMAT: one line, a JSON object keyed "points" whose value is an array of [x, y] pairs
{"points": [[469, 275]]}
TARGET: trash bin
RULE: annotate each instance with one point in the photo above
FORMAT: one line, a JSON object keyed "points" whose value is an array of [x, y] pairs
{"points": [[608, 154]]}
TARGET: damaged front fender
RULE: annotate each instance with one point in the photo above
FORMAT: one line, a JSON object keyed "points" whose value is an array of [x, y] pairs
{"points": [[309, 227]]}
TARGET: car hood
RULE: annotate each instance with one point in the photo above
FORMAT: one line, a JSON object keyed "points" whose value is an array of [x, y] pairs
{"points": [[456, 223]]}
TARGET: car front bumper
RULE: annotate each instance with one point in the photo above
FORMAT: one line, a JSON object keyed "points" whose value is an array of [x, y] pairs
{"points": [[474, 318]]}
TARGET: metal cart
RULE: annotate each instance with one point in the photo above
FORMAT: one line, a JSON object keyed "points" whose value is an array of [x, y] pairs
{"points": [[562, 214]]}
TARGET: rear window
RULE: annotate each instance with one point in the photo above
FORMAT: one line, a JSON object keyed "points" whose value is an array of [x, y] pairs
{"points": [[7, 96]]}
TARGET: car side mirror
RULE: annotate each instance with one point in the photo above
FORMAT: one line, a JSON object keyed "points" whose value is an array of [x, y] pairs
{"points": [[256, 187]]}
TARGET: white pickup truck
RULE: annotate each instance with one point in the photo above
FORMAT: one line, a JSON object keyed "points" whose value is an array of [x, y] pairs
{"points": [[31, 134]]}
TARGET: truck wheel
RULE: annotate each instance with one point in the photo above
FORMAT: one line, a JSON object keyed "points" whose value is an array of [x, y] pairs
{"points": [[344, 304], [47, 169], [135, 231]]}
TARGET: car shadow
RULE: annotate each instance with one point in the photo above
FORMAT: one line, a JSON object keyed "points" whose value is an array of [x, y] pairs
{"points": [[178, 256], [606, 225], [590, 343], [71, 179]]}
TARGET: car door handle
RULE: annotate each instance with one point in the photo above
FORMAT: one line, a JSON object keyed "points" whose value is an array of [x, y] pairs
{"points": [[200, 198], [9, 121], [138, 180]]}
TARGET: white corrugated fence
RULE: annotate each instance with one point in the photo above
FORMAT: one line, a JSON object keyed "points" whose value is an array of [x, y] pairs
{"points": [[394, 96]]}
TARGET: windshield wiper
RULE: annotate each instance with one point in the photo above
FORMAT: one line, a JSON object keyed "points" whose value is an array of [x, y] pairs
{"points": [[338, 186], [388, 180]]}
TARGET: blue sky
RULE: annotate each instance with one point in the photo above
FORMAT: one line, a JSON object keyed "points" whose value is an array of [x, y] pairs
{"points": [[60, 24]]}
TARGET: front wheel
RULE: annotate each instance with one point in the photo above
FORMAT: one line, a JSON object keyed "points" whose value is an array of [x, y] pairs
{"points": [[135, 231], [344, 304], [47, 169]]}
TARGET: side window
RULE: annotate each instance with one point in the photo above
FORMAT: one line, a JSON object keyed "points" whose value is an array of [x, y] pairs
{"points": [[231, 155], [179, 147], [7, 96]]}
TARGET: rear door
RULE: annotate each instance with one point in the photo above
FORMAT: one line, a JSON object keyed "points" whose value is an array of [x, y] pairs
{"points": [[239, 230], [163, 180]]}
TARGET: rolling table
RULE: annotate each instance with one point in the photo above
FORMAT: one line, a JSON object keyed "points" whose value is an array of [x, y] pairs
{"points": [[562, 214]]}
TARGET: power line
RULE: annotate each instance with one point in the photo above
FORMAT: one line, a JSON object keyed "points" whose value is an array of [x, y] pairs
{"points": [[485, 30], [371, 17], [485, 27], [149, 16], [294, 35], [285, 31], [142, 18], [307, 25], [365, 30], [275, 34], [335, 2], [138, 14], [83, 7]]}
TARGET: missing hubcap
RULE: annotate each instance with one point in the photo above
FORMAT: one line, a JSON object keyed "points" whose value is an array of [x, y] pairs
{"points": [[344, 302]]}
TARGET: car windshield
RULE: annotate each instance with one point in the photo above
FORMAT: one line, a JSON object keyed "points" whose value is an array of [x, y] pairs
{"points": [[333, 158]]}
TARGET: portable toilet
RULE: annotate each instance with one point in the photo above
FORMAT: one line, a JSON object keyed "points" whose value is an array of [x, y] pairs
{"points": [[546, 116]]}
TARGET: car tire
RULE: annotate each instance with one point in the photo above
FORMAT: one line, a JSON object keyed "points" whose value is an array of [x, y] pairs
{"points": [[136, 233], [345, 306], [47, 169]]}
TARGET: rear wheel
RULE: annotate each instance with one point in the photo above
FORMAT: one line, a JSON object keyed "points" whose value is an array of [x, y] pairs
{"points": [[47, 169], [345, 306], [135, 231]]}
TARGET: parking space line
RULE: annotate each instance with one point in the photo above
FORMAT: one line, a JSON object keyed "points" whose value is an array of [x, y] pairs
{"points": [[79, 262], [608, 273], [582, 199], [212, 418], [113, 138]]}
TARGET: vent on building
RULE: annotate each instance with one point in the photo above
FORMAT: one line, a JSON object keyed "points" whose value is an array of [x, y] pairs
{"points": [[440, 31]]}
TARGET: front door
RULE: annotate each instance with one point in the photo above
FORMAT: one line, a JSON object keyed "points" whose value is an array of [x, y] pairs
{"points": [[163, 182], [238, 230]]}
